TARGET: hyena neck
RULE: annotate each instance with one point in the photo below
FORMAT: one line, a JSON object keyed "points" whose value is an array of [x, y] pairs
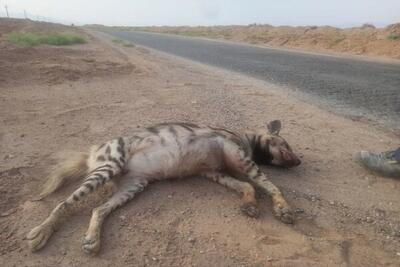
{"points": [[258, 145]]}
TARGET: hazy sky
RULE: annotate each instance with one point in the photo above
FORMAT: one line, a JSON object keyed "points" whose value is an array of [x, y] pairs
{"points": [[342, 13]]}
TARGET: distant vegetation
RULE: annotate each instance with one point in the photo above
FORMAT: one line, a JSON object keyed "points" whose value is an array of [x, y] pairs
{"points": [[124, 43], [118, 41], [368, 25], [31, 39], [394, 36]]}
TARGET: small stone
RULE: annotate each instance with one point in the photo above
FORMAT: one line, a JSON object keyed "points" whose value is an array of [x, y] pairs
{"points": [[332, 202], [122, 217], [154, 258], [192, 240], [9, 156], [369, 220], [398, 254], [201, 252], [269, 259], [299, 210], [169, 196]]}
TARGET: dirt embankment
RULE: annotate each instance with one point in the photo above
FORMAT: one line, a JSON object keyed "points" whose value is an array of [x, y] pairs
{"points": [[49, 64], [345, 215], [365, 40]]}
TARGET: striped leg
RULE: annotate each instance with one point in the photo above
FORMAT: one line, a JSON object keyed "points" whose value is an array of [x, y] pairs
{"points": [[249, 206], [39, 235], [109, 164], [91, 241], [239, 163]]}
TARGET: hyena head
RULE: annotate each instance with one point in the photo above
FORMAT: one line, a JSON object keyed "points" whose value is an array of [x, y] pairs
{"points": [[270, 148]]}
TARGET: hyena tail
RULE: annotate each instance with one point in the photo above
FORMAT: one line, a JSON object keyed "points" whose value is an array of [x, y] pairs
{"points": [[73, 167]]}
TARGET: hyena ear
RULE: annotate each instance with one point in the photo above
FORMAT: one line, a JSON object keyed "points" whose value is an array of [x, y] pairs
{"points": [[274, 127]]}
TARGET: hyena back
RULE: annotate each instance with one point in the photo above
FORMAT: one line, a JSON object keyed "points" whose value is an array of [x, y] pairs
{"points": [[166, 151]]}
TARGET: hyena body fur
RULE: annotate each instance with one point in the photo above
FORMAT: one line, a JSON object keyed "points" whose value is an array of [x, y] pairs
{"points": [[166, 151]]}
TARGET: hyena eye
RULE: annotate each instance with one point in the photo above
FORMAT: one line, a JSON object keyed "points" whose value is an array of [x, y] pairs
{"points": [[286, 145]]}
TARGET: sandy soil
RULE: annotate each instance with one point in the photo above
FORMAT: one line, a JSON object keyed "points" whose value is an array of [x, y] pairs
{"points": [[345, 215], [366, 40]]}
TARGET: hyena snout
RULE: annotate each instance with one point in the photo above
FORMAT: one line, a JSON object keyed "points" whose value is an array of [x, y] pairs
{"points": [[284, 157], [289, 159]]}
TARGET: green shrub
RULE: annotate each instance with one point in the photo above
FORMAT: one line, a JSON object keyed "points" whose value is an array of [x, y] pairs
{"points": [[122, 42], [394, 36], [339, 39], [26, 39], [118, 41], [62, 39], [30, 39], [129, 45]]}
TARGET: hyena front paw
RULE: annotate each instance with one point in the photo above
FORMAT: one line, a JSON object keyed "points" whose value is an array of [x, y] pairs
{"points": [[90, 244], [284, 213], [250, 209], [39, 236]]}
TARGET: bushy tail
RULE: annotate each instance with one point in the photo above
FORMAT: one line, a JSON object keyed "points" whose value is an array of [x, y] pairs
{"points": [[71, 168]]}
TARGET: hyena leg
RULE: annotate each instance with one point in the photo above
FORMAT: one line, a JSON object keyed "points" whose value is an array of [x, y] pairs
{"points": [[109, 165], [244, 166], [249, 206], [39, 235], [91, 241]]}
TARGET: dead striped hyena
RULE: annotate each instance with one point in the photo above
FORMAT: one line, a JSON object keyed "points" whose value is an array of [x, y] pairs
{"points": [[165, 151]]}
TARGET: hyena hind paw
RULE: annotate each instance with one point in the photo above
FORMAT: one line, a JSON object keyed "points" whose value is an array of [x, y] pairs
{"points": [[285, 214], [91, 245], [250, 209], [39, 236]]}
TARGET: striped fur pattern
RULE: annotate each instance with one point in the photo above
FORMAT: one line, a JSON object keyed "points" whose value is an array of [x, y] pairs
{"points": [[171, 150]]}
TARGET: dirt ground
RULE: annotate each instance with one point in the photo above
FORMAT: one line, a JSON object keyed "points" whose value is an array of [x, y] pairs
{"points": [[345, 215], [365, 40]]}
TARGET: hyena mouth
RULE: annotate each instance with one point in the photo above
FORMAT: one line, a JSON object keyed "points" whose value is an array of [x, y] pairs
{"points": [[295, 162]]}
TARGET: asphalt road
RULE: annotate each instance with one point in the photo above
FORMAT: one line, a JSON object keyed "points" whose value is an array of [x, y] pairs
{"points": [[369, 88]]}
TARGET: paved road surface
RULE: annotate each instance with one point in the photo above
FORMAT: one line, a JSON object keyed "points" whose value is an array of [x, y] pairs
{"points": [[364, 86]]}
